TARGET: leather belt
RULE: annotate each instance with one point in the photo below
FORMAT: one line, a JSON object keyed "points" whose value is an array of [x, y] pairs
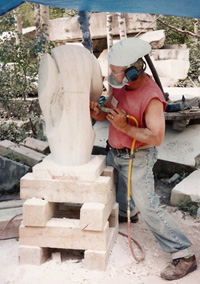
{"points": [[128, 150]]}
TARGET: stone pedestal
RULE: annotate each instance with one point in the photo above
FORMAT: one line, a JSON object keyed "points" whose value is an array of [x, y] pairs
{"points": [[69, 208]]}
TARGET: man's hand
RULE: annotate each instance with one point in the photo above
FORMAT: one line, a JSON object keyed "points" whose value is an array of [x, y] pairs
{"points": [[118, 118], [94, 110]]}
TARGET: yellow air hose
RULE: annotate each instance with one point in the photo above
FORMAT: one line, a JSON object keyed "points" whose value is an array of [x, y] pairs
{"points": [[130, 170], [138, 259]]}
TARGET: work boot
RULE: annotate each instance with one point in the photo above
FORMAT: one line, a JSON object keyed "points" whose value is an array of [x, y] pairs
{"points": [[179, 268], [134, 219]]}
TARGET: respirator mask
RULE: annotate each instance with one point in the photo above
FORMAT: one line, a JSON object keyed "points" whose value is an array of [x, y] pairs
{"points": [[114, 79], [131, 73]]}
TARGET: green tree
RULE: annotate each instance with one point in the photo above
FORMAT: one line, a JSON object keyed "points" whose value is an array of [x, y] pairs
{"points": [[182, 23], [177, 37]]}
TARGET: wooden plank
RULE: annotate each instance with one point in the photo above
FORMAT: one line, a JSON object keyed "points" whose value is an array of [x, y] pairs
{"points": [[37, 145], [33, 254], [93, 216], [12, 229], [66, 190], [64, 233], [69, 28], [37, 212], [25, 155]]}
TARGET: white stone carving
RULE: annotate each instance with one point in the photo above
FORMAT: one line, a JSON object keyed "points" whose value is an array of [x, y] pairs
{"points": [[67, 80]]}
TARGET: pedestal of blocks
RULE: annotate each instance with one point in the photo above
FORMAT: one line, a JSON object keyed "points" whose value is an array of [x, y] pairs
{"points": [[51, 219]]}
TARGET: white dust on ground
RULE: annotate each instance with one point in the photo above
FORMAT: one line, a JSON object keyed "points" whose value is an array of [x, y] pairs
{"points": [[121, 268]]}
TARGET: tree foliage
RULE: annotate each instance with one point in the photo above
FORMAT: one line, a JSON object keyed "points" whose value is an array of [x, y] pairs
{"points": [[27, 13], [175, 37], [19, 69], [19, 78]]}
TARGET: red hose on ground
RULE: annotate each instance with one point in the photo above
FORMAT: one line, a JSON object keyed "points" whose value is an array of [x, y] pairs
{"points": [[130, 239], [9, 223]]}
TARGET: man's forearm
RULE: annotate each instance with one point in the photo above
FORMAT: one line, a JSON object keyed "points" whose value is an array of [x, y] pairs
{"points": [[143, 135]]}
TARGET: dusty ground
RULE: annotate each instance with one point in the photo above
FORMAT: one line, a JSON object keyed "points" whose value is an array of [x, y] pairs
{"points": [[121, 268]]}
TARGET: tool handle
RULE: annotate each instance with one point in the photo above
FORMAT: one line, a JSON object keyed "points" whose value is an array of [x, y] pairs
{"points": [[104, 109]]}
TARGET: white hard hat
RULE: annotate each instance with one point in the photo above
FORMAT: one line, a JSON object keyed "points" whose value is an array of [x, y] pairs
{"points": [[128, 51]]}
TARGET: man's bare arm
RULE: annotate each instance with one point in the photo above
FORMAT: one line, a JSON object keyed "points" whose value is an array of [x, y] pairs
{"points": [[152, 134]]}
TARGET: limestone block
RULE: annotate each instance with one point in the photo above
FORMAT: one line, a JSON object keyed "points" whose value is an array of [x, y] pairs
{"points": [[176, 94], [69, 28], [36, 212], [177, 69], [93, 216], [180, 147], [155, 38], [64, 233], [35, 144], [10, 173], [67, 79], [33, 254], [163, 54], [56, 256], [97, 260], [109, 172], [89, 171], [197, 161], [25, 155], [176, 46], [187, 188], [68, 191], [167, 81]]}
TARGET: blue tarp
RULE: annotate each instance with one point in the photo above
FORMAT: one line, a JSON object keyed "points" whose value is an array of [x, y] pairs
{"points": [[183, 8]]}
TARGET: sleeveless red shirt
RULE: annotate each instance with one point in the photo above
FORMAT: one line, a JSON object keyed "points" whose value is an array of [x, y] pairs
{"points": [[133, 103]]}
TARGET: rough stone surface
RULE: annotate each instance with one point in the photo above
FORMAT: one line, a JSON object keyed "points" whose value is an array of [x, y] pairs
{"points": [[187, 188], [10, 173], [176, 94], [180, 147], [155, 38]]}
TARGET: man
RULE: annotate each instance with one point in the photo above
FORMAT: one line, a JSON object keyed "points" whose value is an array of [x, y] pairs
{"points": [[134, 93]]}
